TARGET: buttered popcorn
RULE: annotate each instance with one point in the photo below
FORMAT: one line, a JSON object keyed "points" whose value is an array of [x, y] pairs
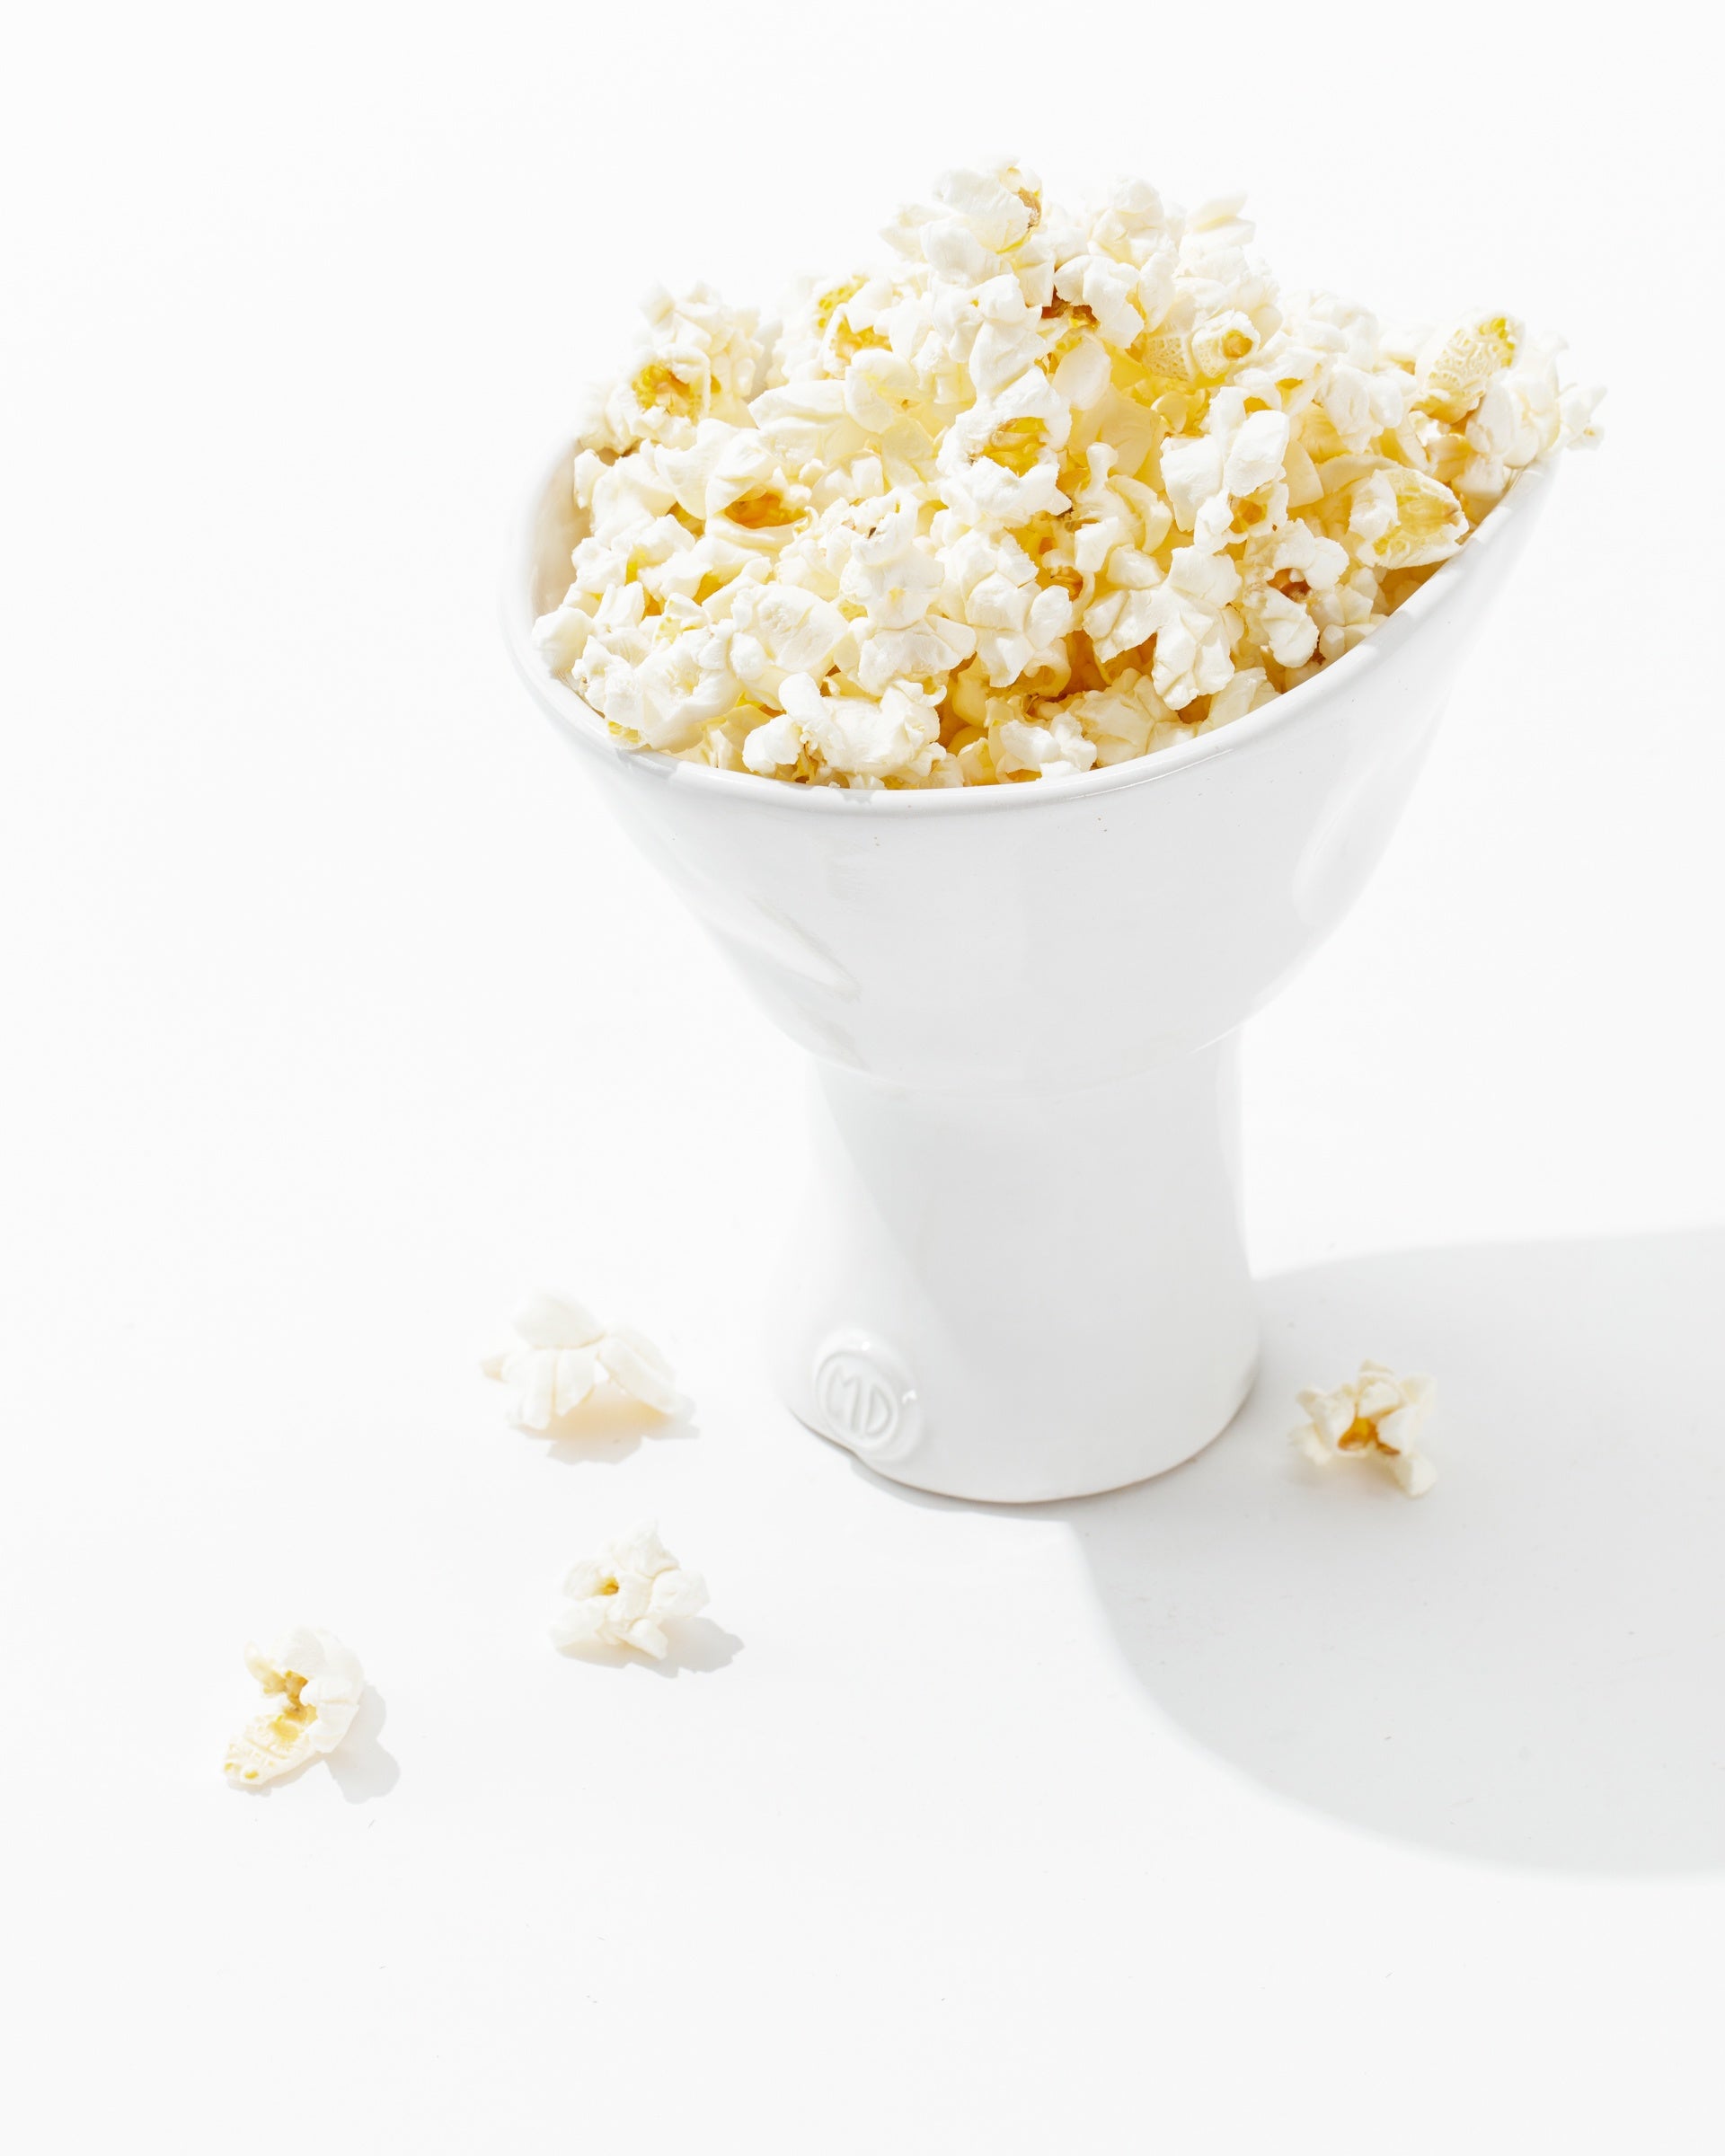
{"points": [[1051, 492]]}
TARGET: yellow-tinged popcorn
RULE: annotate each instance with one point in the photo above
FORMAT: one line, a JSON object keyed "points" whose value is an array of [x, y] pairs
{"points": [[1374, 1415], [1403, 519], [1457, 362], [312, 1686], [1052, 491]]}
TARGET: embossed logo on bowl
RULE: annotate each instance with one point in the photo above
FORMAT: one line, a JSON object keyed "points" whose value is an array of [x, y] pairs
{"points": [[864, 1397]]}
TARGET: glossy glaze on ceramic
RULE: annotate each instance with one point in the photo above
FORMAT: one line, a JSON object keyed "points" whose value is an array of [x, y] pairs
{"points": [[1019, 1273]]}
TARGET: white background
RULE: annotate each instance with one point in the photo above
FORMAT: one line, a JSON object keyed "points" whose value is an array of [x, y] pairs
{"points": [[1228, 1813]]}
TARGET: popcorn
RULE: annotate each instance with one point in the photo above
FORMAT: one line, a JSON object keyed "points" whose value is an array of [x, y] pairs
{"points": [[1402, 519], [1051, 491], [1457, 362], [315, 1684], [565, 1353], [1376, 1412], [626, 1595]]}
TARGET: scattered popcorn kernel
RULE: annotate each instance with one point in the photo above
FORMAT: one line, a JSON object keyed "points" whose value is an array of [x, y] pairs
{"points": [[1375, 1413], [1006, 508], [563, 1352], [312, 1684], [626, 1595]]}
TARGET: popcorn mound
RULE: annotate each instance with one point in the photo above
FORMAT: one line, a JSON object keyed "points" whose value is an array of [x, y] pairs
{"points": [[1053, 493]]}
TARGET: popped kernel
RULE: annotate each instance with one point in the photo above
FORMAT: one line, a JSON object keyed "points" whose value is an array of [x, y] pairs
{"points": [[312, 1686], [1052, 491], [1456, 363], [1376, 1415], [1403, 519], [562, 1353], [626, 1595]]}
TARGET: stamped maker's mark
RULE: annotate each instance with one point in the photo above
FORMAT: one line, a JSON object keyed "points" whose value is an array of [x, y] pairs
{"points": [[856, 1399], [865, 1400]]}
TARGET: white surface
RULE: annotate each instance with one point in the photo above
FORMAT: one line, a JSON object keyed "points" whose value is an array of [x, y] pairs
{"points": [[1236, 1813]]}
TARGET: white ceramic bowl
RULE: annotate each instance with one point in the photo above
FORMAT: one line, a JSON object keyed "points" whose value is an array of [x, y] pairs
{"points": [[1020, 1272]]}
